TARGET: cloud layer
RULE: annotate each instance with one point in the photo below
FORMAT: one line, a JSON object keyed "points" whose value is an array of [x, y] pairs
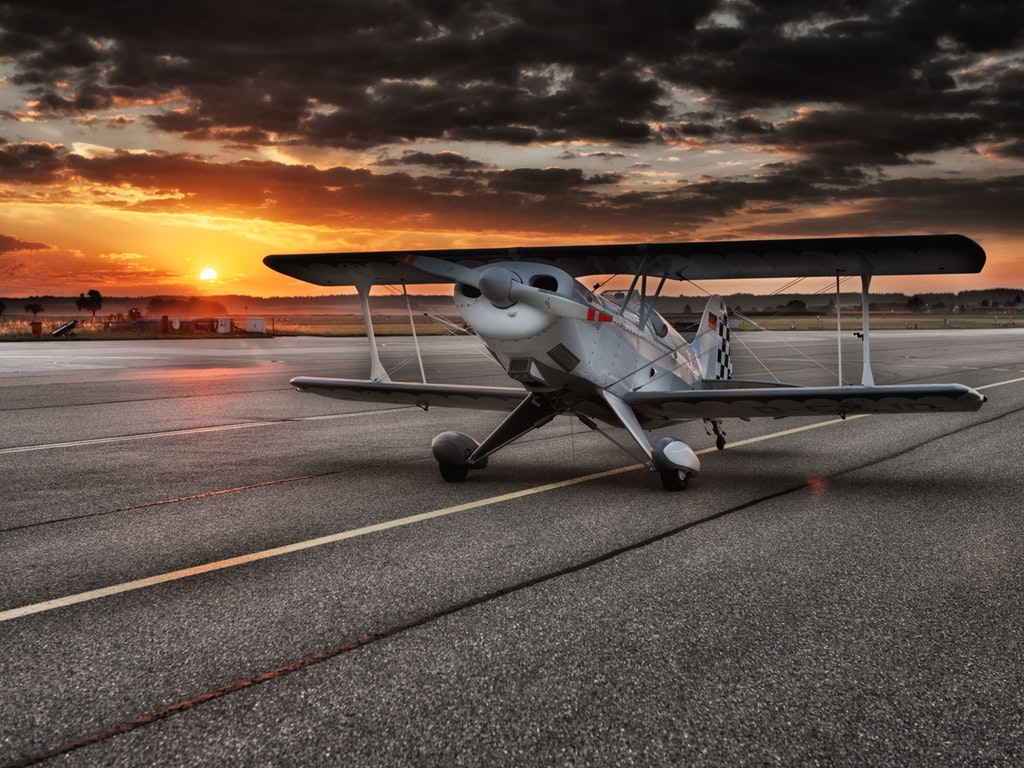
{"points": [[604, 119]]}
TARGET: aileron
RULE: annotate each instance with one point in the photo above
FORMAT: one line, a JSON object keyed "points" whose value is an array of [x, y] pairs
{"points": [[408, 393], [780, 402]]}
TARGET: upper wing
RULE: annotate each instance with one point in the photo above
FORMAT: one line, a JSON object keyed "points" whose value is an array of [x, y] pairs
{"points": [[896, 255], [804, 401], [423, 395]]}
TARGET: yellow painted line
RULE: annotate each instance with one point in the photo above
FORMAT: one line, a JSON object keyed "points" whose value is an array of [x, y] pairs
{"points": [[163, 578], [180, 432], [1000, 384], [143, 436], [786, 432]]}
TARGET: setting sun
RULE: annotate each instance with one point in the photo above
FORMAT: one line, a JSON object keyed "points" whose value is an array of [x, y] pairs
{"points": [[208, 274]]}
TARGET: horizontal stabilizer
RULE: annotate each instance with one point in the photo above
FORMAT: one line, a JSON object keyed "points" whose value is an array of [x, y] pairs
{"points": [[422, 395], [777, 402]]}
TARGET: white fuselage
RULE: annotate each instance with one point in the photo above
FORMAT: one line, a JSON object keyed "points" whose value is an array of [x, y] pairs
{"points": [[635, 350]]}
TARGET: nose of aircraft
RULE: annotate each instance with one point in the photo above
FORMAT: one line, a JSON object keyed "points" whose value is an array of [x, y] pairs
{"points": [[495, 283]]}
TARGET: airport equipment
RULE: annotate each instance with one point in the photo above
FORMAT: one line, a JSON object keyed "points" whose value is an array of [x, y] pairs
{"points": [[66, 330]]}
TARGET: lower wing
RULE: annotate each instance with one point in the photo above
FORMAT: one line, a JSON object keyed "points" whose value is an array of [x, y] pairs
{"points": [[422, 395], [775, 402]]}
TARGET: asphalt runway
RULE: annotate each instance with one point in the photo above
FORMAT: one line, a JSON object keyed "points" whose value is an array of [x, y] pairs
{"points": [[200, 566]]}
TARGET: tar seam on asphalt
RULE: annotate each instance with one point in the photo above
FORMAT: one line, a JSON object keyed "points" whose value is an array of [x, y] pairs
{"points": [[191, 497], [131, 400], [223, 491], [308, 661]]}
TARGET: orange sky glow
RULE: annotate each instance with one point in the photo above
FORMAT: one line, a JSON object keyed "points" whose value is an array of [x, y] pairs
{"points": [[133, 158]]}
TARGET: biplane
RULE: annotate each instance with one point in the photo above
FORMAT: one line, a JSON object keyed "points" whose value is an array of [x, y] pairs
{"points": [[617, 362]]}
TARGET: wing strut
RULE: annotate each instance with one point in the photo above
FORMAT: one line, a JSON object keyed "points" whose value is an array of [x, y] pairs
{"points": [[628, 419], [867, 379], [839, 329], [377, 372], [531, 413], [415, 338]]}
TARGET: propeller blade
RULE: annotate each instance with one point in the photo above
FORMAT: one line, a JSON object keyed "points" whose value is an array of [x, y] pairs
{"points": [[556, 305], [446, 270], [502, 288]]}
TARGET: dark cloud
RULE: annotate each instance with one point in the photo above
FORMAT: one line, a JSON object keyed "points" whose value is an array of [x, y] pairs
{"points": [[12, 268], [450, 161], [839, 92], [749, 124], [552, 200], [31, 163], [366, 73], [355, 74], [9, 244], [878, 138], [546, 182], [917, 205]]}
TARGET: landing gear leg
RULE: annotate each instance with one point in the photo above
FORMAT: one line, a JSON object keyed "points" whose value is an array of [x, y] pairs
{"points": [[457, 453], [714, 426]]}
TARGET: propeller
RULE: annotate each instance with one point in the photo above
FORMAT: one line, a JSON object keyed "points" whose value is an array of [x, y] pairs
{"points": [[555, 304], [502, 288], [447, 270]]}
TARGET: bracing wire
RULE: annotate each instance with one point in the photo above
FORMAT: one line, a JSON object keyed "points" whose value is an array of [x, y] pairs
{"points": [[453, 329], [775, 334]]}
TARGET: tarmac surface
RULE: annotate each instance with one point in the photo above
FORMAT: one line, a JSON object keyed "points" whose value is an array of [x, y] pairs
{"points": [[200, 566]]}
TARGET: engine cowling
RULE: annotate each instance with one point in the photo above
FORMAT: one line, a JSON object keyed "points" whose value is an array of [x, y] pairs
{"points": [[518, 300]]}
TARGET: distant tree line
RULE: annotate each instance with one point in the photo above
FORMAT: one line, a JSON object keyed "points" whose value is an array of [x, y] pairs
{"points": [[179, 307]]}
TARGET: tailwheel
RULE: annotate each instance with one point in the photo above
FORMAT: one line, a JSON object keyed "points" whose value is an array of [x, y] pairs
{"points": [[453, 473], [714, 426], [674, 479]]}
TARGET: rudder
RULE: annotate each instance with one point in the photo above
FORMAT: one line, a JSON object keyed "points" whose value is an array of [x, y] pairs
{"points": [[711, 344]]}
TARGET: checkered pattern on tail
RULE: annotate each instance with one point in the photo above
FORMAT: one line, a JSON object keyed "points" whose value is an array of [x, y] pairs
{"points": [[711, 344]]}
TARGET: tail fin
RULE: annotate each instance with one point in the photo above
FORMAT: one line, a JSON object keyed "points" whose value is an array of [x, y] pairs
{"points": [[711, 344]]}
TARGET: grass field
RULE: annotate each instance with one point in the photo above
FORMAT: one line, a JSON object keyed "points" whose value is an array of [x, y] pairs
{"points": [[389, 325]]}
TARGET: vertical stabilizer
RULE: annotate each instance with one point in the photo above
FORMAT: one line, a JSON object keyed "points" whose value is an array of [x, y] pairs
{"points": [[711, 344]]}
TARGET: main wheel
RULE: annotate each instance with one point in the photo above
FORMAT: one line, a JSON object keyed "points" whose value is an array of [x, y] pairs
{"points": [[453, 473], [720, 443], [674, 479]]}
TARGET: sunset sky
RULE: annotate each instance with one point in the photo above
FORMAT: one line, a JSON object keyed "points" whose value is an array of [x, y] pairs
{"points": [[142, 144]]}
